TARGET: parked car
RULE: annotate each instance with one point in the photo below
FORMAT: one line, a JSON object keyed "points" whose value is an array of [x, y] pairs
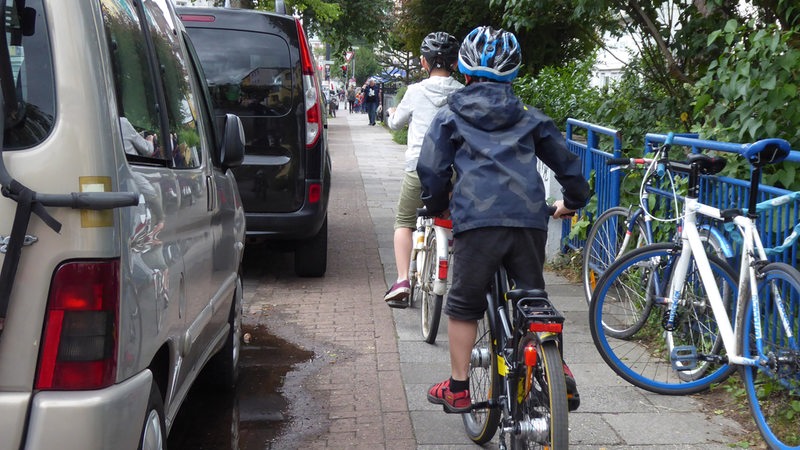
{"points": [[259, 66], [121, 226]]}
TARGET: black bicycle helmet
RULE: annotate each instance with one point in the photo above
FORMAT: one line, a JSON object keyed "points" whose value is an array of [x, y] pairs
{"points": [[440, 50], [490, 53]]}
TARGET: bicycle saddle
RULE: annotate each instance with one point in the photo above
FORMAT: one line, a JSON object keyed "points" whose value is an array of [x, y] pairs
{"points": [[709, 165], [516, 294], [766, 151]]}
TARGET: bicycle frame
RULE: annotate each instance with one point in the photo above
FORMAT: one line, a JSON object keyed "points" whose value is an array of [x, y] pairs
{"points": [[508, 323], [752, 252], [443, 229]]}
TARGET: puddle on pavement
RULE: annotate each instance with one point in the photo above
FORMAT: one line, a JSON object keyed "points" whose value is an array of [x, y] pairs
{"points": [[253, 416]]}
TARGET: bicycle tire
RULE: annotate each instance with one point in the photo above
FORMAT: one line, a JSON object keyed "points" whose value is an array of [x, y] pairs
{"points": [[636, 306], [640, 358], [603, 244], [773, 388], [547, 399], [431, 303], [484, 385]]}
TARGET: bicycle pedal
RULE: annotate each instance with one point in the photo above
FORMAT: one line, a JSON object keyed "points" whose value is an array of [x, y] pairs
{"points": [[683, 358]]}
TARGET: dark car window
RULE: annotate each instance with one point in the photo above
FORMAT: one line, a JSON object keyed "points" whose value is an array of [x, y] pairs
{"points": [[133, 80], [244, 78], [32, 66], [181, 106]]}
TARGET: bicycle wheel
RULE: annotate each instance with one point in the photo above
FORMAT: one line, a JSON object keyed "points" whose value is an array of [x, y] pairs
{"points": [[773, 388], [644, 359], [430, 303], [607, 239], [542, 417], [484, 385], [636, 290]]}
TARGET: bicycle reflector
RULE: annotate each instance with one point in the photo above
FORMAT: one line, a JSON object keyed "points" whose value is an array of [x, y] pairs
{"points": [[530, 355], [551, 327], [443, 267]]}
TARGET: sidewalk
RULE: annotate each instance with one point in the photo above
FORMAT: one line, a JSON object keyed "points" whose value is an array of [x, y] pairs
{"points": [[613, 414]]}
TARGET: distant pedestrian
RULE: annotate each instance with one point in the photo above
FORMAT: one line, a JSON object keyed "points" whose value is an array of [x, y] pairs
{"points": [[372, 95], [359, 102], [351, 98]]}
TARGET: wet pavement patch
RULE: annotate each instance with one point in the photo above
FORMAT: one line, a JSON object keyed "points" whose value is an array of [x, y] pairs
{"points": [[249, 418]]}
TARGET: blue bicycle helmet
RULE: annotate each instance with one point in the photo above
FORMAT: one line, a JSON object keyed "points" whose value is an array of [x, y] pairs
{"points": [[490, 53]]}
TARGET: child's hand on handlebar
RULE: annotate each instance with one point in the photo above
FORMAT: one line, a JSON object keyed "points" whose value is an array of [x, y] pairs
{"points": [[562, 212]]}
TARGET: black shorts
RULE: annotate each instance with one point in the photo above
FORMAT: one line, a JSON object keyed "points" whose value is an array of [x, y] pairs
{"points": [[478, 253]]}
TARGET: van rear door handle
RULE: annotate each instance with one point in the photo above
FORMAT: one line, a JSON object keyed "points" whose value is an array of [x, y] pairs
{"points": [[212, 193]]}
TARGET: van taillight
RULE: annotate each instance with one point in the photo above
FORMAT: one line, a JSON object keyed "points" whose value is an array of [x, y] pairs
{"points": [[310, 89], [314, 192], [197, 18], [80, 329]]}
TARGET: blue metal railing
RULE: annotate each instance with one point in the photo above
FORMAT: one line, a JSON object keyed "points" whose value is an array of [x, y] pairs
{"points": [[719, 191], [594, 158]]}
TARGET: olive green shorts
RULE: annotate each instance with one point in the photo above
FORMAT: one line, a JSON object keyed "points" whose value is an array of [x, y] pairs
{"points": [[409, 201]]}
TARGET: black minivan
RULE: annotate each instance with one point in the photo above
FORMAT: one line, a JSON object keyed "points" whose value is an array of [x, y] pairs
{"points": [[259, 66]]}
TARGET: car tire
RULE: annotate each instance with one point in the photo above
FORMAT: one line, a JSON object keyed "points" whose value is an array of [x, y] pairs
{"points": [[154, 429], [222, 371], [311, 256]]}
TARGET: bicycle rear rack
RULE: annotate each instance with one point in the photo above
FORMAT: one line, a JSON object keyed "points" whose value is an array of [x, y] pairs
{"points": [[536, 311]]}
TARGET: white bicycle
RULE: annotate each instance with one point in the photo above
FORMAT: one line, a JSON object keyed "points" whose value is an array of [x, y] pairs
{"points": [[430, 264], [689, 339]]}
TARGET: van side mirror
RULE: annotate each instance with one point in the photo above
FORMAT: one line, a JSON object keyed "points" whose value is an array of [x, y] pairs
{"points": [[231, 152]]}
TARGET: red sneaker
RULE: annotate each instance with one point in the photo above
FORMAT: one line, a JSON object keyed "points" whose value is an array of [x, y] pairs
{"points": [[452, 402], [573, 398]]}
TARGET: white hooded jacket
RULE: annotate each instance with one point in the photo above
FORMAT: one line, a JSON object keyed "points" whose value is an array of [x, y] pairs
{"points": [[419, 104]]}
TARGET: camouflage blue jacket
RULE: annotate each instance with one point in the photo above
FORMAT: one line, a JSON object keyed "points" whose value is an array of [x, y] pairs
{"points": [[494, 142]]}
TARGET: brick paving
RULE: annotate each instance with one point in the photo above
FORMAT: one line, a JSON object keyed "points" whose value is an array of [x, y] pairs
{"points": [[351, 395]]}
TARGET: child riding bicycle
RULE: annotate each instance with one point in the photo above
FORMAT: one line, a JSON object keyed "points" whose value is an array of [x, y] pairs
{"points": [[417, 108], [493, 142]]}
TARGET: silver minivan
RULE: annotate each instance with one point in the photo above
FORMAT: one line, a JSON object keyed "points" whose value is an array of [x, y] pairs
{"points": [[121, 227]]}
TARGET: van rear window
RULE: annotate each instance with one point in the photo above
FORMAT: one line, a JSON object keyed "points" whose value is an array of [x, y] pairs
{"points": [[249, 73], [32, 70]]}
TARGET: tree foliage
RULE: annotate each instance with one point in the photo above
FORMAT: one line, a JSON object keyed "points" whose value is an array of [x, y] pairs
{"points": [[750, 92], [548, 33], [341, 23]]}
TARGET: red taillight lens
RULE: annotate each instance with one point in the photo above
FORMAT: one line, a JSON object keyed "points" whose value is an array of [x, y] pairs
{"points": [[530, 355], [197, 18], [80, 330], [314, 193], [446, 223], [443, 268], [310, 89], [546, 327], [307, 65]]}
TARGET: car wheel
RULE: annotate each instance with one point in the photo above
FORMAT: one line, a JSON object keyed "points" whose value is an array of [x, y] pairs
{"points": [[311, 256], [154, 430], [223, 368]]}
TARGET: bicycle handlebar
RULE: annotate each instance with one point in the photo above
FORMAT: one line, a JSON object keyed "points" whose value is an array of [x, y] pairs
{"points": [[628, 162]]}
